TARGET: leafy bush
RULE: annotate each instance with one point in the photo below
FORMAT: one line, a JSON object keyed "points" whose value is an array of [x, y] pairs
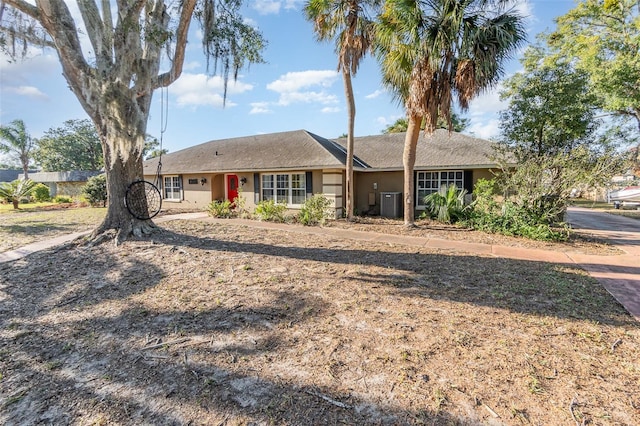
{"points": [[17, 190], [221, 209], [271, 211], [517, 221], [41, 193], [62, 199], [315, 210], [96, 190], [239, 206], [510, 218], [447, 205]]}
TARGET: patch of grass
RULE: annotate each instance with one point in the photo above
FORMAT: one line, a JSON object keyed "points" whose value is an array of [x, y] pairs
{"points": [[8, 207], [590, 204], [22, 227]]}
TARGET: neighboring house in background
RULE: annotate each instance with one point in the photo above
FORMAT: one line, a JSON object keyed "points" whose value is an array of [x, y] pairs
{"points": [[292, 166], [11, 175], [64, 183]]}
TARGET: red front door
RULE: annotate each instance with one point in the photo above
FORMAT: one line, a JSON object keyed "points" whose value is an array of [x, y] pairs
{"points": [[232, 187]]}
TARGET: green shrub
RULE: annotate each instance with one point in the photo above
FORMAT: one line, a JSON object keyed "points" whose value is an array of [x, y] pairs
{"points": [[315, 210], [95, 190], [516, 221], [62, 199], [41, 193], [447, 205], [271, 211], [221, 209], [239, 206]]}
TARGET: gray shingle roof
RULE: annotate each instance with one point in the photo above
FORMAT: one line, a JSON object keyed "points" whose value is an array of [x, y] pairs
{"points": [[302, 150], [294, 150], [441, 150]]}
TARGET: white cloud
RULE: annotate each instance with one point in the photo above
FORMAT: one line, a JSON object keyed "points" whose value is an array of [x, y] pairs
{"points": [[301, 87], [386, 121], [260, 108], [20, 72], [291, 4], [375, 94], [485, 130], [28, 91], [200, 89], [323, 98], [267, 7], [330, 110], [487, 103], [294, 81], [524, 8]]}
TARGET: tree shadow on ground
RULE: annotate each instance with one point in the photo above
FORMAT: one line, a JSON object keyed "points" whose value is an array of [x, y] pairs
{"points": [[68, 358], [70, 355], [536, 288]]}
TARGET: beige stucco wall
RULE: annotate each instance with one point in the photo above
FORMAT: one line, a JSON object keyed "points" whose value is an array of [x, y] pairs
{"points": [[198, 196], [482, 174], [371, 185]]}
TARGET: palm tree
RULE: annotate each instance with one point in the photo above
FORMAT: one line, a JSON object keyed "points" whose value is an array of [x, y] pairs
{"points": [[14, 191], [350, 23], [431, 51], [15, 139]]}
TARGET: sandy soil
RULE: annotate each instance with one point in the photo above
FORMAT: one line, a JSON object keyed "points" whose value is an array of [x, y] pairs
{"points": [[222, 324]]}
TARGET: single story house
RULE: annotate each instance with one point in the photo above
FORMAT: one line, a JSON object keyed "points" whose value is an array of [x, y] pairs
{"points": [[292, 166], [64, 183]]}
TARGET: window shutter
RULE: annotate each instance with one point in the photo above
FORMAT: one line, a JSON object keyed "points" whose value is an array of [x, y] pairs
{"points": [[308, 180], [468, 181], [256, 188]]}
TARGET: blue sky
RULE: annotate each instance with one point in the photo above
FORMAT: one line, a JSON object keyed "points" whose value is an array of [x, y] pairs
{"points": [[298, 87]]}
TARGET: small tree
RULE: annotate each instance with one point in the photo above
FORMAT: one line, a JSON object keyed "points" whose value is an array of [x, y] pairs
{"points": [[315, 210], [75, 146], [14, 191], [96, 190]]}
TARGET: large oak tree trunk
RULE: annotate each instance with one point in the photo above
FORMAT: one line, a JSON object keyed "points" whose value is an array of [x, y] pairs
{"points": [[409, 161], [122, 123]]}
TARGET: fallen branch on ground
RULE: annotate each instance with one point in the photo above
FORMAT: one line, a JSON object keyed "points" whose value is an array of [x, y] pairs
{"points": [[171, 342], [329, 400]]}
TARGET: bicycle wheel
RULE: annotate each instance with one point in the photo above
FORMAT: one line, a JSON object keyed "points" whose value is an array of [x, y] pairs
{"points": [[143, 200]]}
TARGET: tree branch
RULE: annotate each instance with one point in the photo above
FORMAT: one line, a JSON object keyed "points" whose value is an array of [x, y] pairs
{"points": [[182, 32], [126, 37], [24, 7], [93, 24], [30, 38]]}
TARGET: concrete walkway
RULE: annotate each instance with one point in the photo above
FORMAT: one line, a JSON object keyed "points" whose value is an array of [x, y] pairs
{"points": [[620, 274]]}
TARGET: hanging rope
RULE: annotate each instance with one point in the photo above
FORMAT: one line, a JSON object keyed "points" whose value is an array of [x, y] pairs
{"points": [[164, 116]]}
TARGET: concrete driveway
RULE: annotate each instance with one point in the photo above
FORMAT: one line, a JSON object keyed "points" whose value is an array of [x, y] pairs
{"points": [[621, 231], [620, 275]]}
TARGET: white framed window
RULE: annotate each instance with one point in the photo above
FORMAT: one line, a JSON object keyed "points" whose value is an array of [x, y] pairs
{"points": [[288, 188], [172, 188], [430, 182]]}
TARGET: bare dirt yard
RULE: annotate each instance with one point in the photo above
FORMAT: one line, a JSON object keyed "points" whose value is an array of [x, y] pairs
{"points": [[220, 324]]}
